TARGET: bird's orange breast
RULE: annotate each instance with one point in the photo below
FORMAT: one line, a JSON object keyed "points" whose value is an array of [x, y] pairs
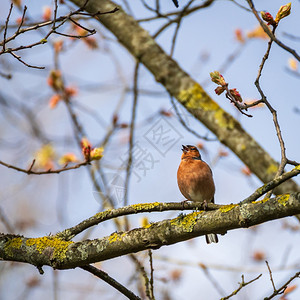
{"points": [[195, 180]]}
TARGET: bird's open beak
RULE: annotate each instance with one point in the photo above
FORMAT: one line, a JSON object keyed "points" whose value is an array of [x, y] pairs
{"points": [[184, 148]]}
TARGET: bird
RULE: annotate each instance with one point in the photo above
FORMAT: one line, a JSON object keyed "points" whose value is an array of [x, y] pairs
{"points": [[195, 180]]}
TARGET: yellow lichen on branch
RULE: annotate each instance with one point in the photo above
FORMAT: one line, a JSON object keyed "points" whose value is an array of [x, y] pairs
{"points": [[195, 97], [12, 244], [227, 208], [272, 169], [261, 201], [283, 200], [114, 237], [186, 222], [145, 206], [222, 119], [59, 246]]}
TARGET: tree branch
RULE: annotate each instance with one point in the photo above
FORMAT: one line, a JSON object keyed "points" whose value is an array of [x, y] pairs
{"points": [[272, 184], [60, 254], [109, 214]]}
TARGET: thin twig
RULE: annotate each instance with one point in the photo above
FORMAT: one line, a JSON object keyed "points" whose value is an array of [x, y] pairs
{"points": [[178, 21], [263, 99], [23, 62], [176, 13], [54, 14], [213, 281], [98, 13], [61, 19], [270, 34], [22, 20], [183, 123], [81, 26], [142, 270], [115, 284], [240, 6], [242, 284], [50, 171], [151, 274], [155, 10], [283, 287], [74, 36], [179, 16], [271, 185], [6, 25], [236, 103], [271, 277], [131, 134], [272, 110], [53, 30], [291, 36]]}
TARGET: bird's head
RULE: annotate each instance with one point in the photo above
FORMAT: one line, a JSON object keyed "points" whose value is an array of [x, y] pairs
{"points": [[190, 152]]}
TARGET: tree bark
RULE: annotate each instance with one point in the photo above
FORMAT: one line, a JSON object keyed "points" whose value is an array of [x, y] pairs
{"points": [[60, 254]]}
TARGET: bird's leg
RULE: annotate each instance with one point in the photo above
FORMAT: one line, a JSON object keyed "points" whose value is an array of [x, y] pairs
{"points": [[204, 205], [183, 203]]}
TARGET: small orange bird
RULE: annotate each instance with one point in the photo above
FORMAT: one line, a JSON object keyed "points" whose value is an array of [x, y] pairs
{"points": [[195, 180]]}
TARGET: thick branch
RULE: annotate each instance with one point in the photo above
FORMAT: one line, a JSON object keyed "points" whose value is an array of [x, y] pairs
{"points": [[187, 91], [109, 214], [60, 254]]}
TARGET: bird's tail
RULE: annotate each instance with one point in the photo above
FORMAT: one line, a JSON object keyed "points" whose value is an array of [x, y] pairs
{"points": [[211, 238]]}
